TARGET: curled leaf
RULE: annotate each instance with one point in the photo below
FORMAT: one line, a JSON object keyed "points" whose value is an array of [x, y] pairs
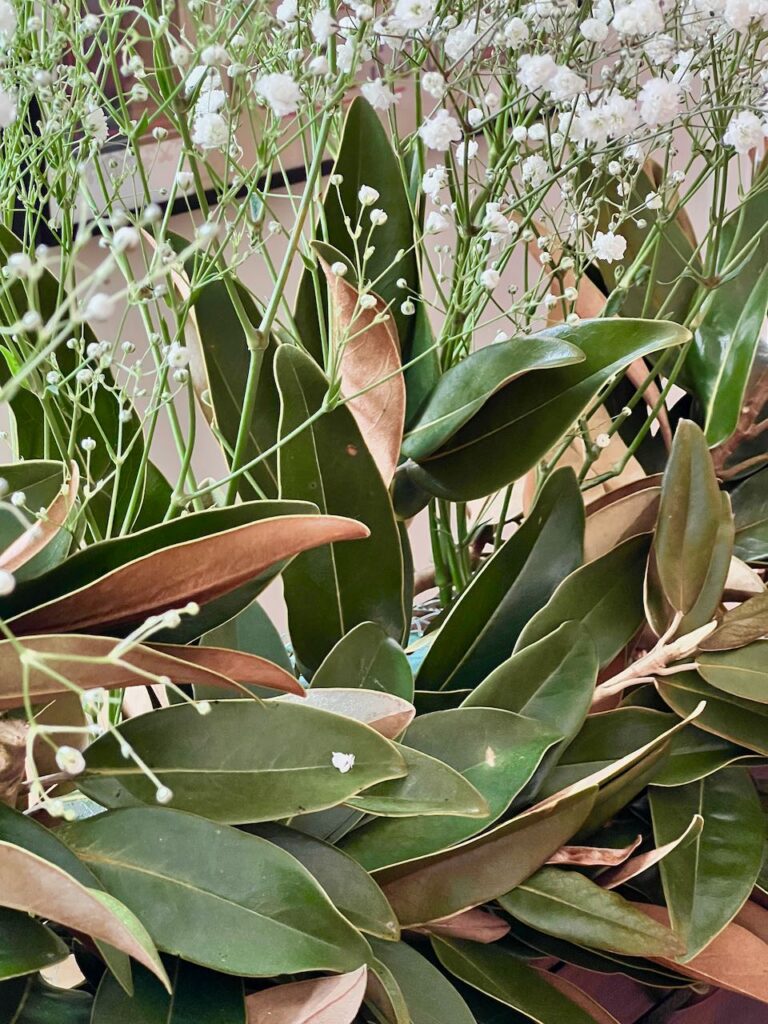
{"points": [[333, 1000], [41, 533], [637, 865], [593, 856], [476, 925]]}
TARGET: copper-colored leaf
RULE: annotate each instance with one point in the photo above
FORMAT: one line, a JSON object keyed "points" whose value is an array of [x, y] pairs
{"points": [[198, 570], [593, 856], [36, 886], [63, 654], [620, 514], [370, 363], [387, 714], [736, 959], [754, 918], [13, 740], [332, 1000], [40, 533], [476, 925], [643, 861], [249, 669], [579, 997]]}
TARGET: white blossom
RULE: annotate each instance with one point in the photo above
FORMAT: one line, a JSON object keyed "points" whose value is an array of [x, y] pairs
{"points": [[440, 131], [594, 30], [516, 32], [7, 582], [436, 223], [638, 18], [7, 21], [660, 101], [210, 131], [95, 124], [323, 26], [367, 195], [379, 95], [434, 84], [413, 14], [342, 762], [434, 179], [608, 246], [280, 91], [745, 131], [535, 71], [70, 760], [490, 278], [466, 151]]}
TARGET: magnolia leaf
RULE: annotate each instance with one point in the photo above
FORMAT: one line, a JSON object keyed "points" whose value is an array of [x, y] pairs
{"points": [[334, 1000], [387, 714], [42, 533], [32, 1000], [430, 787], [349, 887], [693, 543], [367, 344], [26, 945], [643, 861], [39, 887], [496, 751], [465, 388], [707, 881], [518, 425], [606, 595], [744, 722], [567, 904], [201, 569], [740, 625], [736, 959], [429, 995], [481, 628], [474, 925], [195, 886], [695, 754], [593, 856], [503, 976], [244, 761], [66, 656], [620, 514], [750, 511], [325, 591], [367, 658], [200, 996], [743, 672]]}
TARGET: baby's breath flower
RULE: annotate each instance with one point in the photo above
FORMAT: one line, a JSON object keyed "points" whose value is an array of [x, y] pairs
{"points": [[280, 91], [70, 760], [7, 582]]}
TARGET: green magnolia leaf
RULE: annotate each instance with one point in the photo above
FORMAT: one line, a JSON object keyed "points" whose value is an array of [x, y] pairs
{"points": [[243, 762], [744, 722], [725, 341], [367, 658], [750, 511], [707, 881], [743, 673], [219, 370], [199, 996], [567, 904], [518, 425], [33, 1001], [26, 945], [40, 481], [481, 628], [693, 543], [503, 976], [465, 388], [326, 592], [481, 869], [695, 754], [348, 886], [430, 787], [216, 896], [552, 680], [429, 995], [605, 595], [740, 625], [496, 751]]}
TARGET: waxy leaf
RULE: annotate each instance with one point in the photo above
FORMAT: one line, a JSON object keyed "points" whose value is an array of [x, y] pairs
{"points": [[26, 945], [707, 881], [740, 625], [744, 722], [429, 995], [476, 925], [45, 542], [366, 344], [496, 751], [750, 511], [518, 425], [36, 886], [349, 887], [693, 543], [593, 856], [605, 595], [620, 514], [41, 481], [117, 584], [62, 654], [243, 762], [551, 680], [695, 754], [743, 672], [481, 628], [386, 714], [199, 996], [567, 904], [334, 1000], [466, 387], [503, 976], [216, 896], [643, 861], [366, 657], [32, 1000], [430, 787], [328, 462]]}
